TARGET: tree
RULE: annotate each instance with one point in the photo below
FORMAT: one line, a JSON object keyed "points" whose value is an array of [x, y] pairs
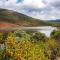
{"points": [[11, 40], [56, 35], [38, 37], [10, 43]]}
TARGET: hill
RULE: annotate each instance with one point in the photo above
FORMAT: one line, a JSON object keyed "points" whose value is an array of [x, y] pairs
{"points": [[55, 23], [57, 20], [13, 18]]}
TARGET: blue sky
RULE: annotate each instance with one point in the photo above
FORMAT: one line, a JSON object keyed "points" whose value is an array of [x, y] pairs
{"points": [[41, 9]]}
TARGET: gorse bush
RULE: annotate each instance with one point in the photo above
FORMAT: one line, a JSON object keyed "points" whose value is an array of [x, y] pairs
{"points": [[22, 45], [38, 37], [56, 34]]}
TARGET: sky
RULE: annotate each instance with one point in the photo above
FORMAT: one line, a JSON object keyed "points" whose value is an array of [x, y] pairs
{"points": [[41, 9]]}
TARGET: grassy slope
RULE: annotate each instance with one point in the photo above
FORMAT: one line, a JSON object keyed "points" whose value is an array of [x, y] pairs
{"points": [[56, 24], [13, 17]]}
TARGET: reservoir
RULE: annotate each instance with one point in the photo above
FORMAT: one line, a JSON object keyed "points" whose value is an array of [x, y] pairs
{"points": [[44, 29]]}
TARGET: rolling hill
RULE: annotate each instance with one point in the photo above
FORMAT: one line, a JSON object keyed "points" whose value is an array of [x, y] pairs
{"points": [[57, 20], [9, 18]]}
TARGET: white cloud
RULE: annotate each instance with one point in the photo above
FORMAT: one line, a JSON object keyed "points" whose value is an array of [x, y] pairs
{"points": [[12, 1], [1, 3], [43, 9], [34, 3]]}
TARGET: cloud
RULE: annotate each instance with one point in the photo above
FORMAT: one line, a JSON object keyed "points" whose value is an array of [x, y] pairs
{"points": [[42, 9], [34, 3]]}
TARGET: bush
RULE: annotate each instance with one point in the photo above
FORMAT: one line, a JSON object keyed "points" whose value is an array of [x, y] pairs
{"points": [[37, 37], [56, 35], [34, 46]]}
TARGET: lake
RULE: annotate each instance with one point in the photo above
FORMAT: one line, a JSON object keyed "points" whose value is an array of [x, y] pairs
{"points": [[47, 30], [44, 29]]}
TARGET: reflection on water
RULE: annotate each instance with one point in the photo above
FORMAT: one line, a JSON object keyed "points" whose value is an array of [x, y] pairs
{"points": [[46, 32], [44, 29]]}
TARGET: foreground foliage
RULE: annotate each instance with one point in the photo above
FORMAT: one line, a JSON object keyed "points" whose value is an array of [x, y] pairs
{"points": [[22, 45]]}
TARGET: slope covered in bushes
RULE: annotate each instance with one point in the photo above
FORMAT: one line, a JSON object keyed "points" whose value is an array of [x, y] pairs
{"points": [[22, 45]]}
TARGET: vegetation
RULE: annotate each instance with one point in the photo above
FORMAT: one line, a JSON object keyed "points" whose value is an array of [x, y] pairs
{"points": [[22, 45], [12, 17], [27, 45], [55, 24]]}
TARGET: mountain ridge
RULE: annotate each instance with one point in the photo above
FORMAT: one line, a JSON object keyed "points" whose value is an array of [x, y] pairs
{"points": [[13, 17], [56, 20]]}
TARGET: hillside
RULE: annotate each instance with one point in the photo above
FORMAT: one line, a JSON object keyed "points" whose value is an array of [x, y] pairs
{"points": [[57, 20], [11, 17], [55, 23]]}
